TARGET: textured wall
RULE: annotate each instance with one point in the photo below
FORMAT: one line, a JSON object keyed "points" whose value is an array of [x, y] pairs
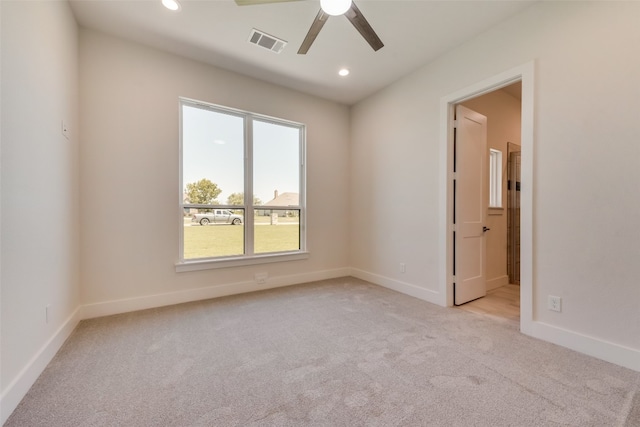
{"points": [[587, 96], [129, 158], [40, 208]]}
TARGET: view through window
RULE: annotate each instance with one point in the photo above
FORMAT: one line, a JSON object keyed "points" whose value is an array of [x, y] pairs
{"points": [[242, 180], [495, 178]]}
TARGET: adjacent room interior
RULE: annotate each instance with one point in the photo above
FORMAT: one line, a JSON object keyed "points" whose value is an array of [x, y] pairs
{"points": [[502, 108], [356, 306]]}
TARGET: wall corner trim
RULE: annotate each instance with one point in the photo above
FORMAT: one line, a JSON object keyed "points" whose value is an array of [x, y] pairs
{"points": [[600, 349], [405, 288], [126, 305], [19, 387], [497, 282]]}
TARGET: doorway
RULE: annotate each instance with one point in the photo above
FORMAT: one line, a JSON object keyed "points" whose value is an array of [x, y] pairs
{"points": [[493, 190], [523, 74]]}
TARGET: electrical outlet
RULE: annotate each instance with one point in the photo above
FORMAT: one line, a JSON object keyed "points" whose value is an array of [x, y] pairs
{"points": [[261, 278], [554, 303], [403, 267]]}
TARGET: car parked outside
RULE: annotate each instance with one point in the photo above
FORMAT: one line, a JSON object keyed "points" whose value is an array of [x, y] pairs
{"points": [[217, 216]]}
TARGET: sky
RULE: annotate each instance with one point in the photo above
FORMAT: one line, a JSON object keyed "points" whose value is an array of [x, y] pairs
{"points": [[213, 148]]}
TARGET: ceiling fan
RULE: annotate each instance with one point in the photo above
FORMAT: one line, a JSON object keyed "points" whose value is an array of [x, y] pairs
{"points": [[330, 8]]}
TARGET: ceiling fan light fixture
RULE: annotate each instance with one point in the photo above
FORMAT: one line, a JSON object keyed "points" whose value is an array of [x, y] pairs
{"points": [[171, 5], [335, 7]]}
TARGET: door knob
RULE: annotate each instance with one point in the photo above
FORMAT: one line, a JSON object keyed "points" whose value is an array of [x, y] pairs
{"points": [[485, 229]]}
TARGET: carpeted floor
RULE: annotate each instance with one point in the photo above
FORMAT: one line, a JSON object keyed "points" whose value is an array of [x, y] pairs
{"points": [[339, 352]]}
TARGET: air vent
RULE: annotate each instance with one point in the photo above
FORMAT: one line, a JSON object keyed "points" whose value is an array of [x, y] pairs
{"points": [[266, 41]]}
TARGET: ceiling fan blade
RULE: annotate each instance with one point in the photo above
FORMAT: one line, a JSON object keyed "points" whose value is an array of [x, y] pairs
{"points": [[318, 23], [357, 19], [252, 2]]}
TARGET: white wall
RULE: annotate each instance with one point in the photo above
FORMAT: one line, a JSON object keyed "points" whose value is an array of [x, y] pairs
{"points": [[129, 189], [586, 177], [39, 176], [585, 174]]}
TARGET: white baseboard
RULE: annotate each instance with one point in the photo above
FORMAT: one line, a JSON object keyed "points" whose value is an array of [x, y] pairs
{"points": [[497, 282], [595, 347], [160, 300], [402, 287], [30, 373], [614, 353], [16, 391]]}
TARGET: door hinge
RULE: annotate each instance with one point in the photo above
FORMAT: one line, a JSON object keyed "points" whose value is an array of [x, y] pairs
{"points": [[455, 124]]}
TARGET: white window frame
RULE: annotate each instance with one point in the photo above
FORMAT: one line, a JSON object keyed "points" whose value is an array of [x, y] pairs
{"points": [[248, 258], [495, 178]]}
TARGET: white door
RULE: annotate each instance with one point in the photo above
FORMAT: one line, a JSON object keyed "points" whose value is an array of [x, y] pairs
{"points": [[470, 202]]}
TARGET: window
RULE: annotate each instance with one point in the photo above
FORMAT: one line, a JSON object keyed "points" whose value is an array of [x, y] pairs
{"points": [[495, 178], [242, 186]]}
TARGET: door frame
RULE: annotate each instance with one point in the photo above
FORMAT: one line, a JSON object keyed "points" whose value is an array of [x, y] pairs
{"points": [[525, 74]]}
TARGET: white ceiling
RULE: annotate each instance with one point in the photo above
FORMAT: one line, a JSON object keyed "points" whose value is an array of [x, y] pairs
{"points": [[216, 32]]}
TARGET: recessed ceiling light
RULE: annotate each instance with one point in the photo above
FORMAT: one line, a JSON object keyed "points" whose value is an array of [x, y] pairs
{"points": [[171, 4], [344, 72]]}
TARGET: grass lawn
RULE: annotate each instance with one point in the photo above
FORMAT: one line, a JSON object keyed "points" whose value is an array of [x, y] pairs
{"points": [[227, 240]]}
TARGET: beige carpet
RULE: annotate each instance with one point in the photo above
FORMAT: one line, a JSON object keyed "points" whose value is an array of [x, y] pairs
{"points": [[333, 353]]}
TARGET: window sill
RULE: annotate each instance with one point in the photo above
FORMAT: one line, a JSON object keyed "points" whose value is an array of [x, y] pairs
{"points": [[209, 264], [496, 211]]}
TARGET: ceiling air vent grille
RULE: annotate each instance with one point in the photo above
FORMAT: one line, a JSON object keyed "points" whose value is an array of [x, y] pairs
{"points": [[266, 41]]}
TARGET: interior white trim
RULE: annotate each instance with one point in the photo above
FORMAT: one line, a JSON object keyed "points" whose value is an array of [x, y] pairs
{"points": [[126, 305], [524, 73], [207, 264], [610, 352], [595, 347], [19, 387], [398, 286], [497, 282]]}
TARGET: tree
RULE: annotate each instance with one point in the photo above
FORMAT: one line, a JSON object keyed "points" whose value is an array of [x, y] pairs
{"points": [[238, 199], [203, 192]]}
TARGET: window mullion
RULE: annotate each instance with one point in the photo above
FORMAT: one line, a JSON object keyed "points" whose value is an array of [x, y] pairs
{"points": [[303, 185], [248, 188]]}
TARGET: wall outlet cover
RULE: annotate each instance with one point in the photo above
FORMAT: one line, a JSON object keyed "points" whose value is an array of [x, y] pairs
{"points": [[261, 278], [554, 303]]}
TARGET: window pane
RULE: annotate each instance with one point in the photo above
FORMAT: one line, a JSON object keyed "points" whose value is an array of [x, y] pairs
{"points": [[212, 153], [213, 233], [495, 178], [213, 172], [276, 162], [276, 230]]}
